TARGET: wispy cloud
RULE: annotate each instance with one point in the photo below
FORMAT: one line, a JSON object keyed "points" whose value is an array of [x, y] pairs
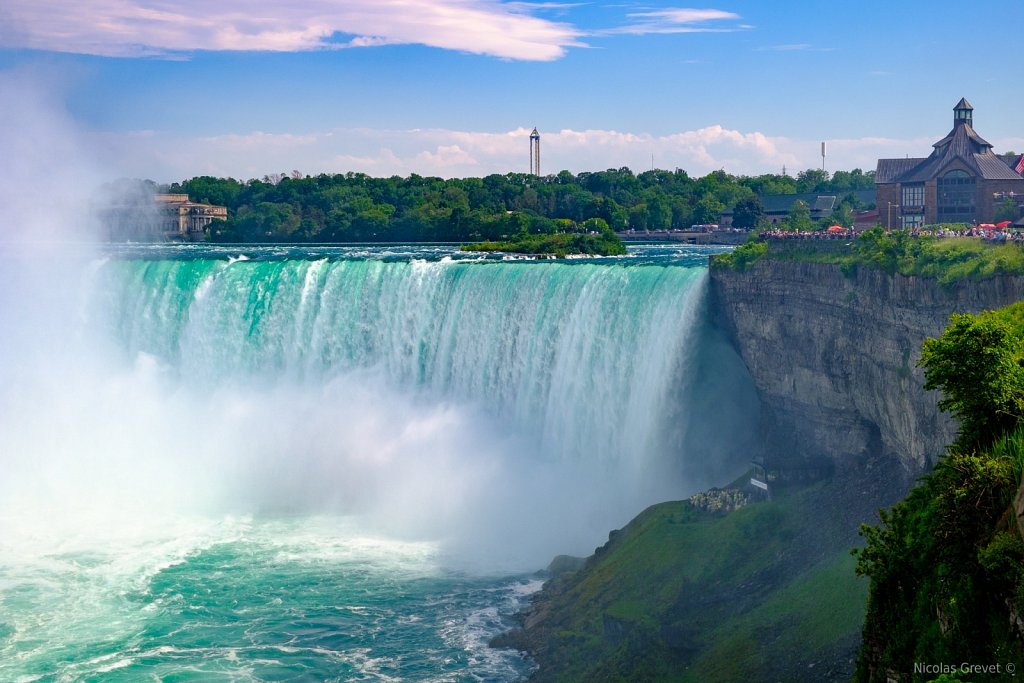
{"points": [[131, 28], [675, 20]]}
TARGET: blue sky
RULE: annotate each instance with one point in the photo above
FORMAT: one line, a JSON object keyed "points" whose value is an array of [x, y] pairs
{"points": [[168, 90]]}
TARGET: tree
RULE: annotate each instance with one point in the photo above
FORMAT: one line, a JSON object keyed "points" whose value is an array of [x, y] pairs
{"points": [[811, 180], [842, 216], [638, 216], [340, 207], [708, 210], [799, 218], [659, 214], [1006, 210], [596, 225], [209, 190], [976, 363], [747, 213]]}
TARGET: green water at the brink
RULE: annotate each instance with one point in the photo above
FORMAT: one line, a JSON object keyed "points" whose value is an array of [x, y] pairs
{"points": [[306, 464]]}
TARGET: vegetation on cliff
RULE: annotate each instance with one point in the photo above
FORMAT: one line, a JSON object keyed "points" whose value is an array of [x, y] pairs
{"points": [[742, 257], [947, 563], [945, 259]]}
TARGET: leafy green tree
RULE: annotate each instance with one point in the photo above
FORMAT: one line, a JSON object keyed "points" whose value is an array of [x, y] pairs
{"points": [[842, 215], [747, 213], [682, 213], [1006, 210], [210, 190], [977, 364], [708, 210], [596, 225], [947, 563], [799, 218], [659, 214], [638, 217], [811, 180], [770, 184], [849, 181]]}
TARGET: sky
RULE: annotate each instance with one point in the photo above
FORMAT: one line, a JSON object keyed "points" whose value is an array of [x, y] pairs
{"points": [[452, 88]]}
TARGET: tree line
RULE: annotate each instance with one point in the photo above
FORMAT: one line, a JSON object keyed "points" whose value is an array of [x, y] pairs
{"points": [[355, 207]]}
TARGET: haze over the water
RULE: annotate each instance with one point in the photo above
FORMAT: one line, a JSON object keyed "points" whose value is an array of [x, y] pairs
{"points": [[316, 463], [129, 404]]}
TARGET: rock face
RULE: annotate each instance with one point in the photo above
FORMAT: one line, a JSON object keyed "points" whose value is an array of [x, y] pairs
{"points": [[834, 357]]}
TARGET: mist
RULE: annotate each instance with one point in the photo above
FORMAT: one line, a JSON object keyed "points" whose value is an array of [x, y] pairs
{"points": [[114, 434], [115, 422]]}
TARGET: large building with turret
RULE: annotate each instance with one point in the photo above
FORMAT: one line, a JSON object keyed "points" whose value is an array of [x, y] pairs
{"points": [[961, 181]]}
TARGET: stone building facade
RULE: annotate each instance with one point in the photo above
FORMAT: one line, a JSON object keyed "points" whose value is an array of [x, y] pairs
{"points": [[159, 218], [962, 181], [186, 220]]}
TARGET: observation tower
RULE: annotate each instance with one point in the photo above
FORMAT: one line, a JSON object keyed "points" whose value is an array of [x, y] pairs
{"points": [[535, 153]]}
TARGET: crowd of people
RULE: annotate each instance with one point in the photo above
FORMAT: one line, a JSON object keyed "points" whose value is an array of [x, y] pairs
{"points": [[989, 234], [829, 234], [984, 233]]}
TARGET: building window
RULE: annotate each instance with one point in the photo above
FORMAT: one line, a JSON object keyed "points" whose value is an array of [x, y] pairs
{"points": [[913, 220], [913, 195], [956, 197]]}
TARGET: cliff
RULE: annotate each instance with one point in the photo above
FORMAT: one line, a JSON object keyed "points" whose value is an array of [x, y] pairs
{"points": [[768, 592], [834, 357]]}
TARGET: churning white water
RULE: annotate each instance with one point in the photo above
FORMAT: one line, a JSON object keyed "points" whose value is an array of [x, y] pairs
{"points": [[183, 428]]}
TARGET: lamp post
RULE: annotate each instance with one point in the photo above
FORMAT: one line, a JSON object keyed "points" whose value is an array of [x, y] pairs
{"points": [[888, 220]]}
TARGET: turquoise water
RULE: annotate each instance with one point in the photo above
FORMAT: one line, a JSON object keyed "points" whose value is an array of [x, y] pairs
{"points": [[253, 600], [291, 464]]}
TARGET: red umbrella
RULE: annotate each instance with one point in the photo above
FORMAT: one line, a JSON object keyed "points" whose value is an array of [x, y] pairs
{"points": [[836, 228], [1004, 224]]}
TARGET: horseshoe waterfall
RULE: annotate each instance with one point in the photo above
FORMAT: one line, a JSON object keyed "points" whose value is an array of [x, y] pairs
{"points": [[333, 463]]}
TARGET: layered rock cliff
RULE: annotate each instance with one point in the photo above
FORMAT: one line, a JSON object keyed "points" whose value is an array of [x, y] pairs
{"points": [[834, 357]]}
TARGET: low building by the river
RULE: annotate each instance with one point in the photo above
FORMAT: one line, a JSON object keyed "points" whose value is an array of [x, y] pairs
{"points": [[162, 218], [961, 181], [187, 220]]}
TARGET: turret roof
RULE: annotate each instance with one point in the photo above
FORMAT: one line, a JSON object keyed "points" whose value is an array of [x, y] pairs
{"points": [[962, 144]]}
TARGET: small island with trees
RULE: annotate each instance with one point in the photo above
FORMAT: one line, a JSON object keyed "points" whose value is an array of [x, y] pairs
{"points": [[592, 238]]}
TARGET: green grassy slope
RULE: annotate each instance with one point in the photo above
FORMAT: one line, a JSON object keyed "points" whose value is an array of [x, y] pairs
{"points": [[764, 593]]}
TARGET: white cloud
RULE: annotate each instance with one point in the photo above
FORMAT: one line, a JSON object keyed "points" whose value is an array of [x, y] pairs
{"points": [[675, 20], [129, 28], [448, 153]]}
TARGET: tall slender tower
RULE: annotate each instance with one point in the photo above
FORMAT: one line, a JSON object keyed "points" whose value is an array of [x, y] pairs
{"points": [[535, 153]]}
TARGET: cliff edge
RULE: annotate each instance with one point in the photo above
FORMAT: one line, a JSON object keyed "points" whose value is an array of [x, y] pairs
{"points": [[833, 356]]}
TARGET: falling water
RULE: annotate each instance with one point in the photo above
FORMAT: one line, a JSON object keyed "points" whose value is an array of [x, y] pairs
{"points": [[331, 462]]}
